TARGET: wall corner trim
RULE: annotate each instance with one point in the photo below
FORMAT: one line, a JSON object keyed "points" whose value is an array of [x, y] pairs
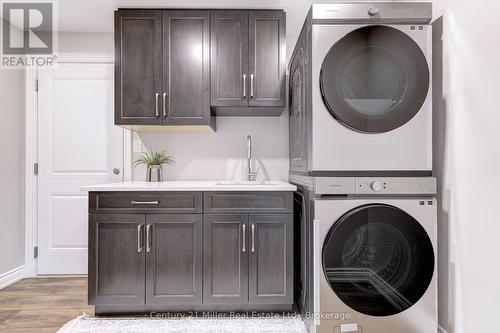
{"points": [[12, 276], [441, 330]]}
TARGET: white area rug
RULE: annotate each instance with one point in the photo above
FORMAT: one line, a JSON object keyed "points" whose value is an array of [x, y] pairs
{"points": [[87, 324]]}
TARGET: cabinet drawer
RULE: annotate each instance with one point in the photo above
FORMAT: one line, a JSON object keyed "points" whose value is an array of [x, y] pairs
{"points": [[145, 202], [247, 202]]}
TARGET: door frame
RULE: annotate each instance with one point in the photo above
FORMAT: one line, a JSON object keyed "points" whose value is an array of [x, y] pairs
{"points": [[31, 152]]}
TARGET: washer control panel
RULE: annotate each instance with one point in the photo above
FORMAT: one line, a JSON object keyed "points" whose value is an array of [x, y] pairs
{"points": [[396, 185], [374, 185]]}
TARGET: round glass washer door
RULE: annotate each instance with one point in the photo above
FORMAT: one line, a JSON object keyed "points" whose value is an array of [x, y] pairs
{"points": [[378, 260], [375, 79]]}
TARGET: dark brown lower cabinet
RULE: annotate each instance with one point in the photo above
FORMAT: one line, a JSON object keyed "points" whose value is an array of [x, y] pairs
{"points": [[137, 259], [173, 259], [248, 259], [271, 259], [168, 253], [225, 259], [116, 259]]}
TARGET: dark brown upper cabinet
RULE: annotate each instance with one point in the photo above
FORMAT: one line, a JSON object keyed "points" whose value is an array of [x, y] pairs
{"points": [[162, 68], [267, 58], [186, 71], [248, 70], [300, 103], [229, 58], [138, 64]]}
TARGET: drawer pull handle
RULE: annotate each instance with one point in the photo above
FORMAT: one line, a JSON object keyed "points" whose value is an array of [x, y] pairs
{"points": [[164, 104], [144, 202], [244, 86], [157, 97], [244, 237], [148, 241], [253, 238], [251, 86], [139, 247]]}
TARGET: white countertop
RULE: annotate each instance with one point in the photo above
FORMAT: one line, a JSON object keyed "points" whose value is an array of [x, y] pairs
{"points": [[195, 185]]}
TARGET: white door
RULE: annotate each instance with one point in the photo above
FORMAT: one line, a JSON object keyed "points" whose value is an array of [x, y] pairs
{"points": [[78, 144]]}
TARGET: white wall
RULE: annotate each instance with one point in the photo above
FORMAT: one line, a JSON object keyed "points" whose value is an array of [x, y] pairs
{"points": [[12, 169], [85, 42], [221, 155], [467, 163]]}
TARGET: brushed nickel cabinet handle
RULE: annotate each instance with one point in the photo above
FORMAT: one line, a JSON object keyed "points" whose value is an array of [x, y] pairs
{"points": [[253, 238], [157, 97], [144, 202], [251, 85], [244, 86], [244, 238], [164, 104], [148, 246], [139, 245]]}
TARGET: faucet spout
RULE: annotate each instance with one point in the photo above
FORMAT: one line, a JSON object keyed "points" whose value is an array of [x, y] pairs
{"points": [[251, 175], [249, 157], [249, 147]]}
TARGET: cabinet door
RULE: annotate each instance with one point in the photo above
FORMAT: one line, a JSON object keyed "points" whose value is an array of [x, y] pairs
{"points": [[271, 259], [138, 54], [267, 59], [225, 259], [186, 72], [299, 98], [116, 259], [229, 58], [173, 259]]}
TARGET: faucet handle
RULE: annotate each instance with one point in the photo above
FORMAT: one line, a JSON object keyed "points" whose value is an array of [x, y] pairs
{"points": [[252, 175]]}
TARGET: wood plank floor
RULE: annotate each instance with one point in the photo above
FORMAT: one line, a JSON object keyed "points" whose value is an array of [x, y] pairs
{"points": [[42, 304]]}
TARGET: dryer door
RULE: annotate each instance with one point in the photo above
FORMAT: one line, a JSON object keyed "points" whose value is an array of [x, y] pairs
{"points": [[378, 260], [375, 79]]}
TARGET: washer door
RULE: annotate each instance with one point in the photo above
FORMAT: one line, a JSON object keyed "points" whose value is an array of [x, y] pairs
{"points": [[378, 260], [375, 79]]}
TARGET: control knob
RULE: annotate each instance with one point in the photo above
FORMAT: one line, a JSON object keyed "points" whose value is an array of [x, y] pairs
{"points": [[372, 11], [377, 186]]}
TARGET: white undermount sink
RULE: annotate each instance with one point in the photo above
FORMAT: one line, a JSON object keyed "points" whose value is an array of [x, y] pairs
{"points": [[246, 183]]}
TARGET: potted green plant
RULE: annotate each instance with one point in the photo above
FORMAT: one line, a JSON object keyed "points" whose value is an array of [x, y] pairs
{"points": [[154, 162]]}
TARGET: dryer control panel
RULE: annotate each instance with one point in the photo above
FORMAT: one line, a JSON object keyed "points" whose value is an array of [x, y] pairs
{"points": [[374, 185], [338, 13]]}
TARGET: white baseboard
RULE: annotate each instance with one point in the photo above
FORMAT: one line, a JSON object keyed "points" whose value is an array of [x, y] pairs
{"points": [[441, 330], [12, 276]]}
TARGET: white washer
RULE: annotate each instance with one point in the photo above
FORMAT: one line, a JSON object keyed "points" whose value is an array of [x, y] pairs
{"points": [[374, 255], [370, 103]]}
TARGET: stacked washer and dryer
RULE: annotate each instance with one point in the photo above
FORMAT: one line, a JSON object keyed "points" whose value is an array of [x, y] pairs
{"points": [[361, 157]]}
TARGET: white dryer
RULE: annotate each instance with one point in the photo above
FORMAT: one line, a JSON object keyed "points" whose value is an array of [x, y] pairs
{"points": [[360, 91], [374, 255]]}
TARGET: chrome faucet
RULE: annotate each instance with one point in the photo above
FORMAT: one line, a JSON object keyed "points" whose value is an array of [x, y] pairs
{"points": [[251, 175]]}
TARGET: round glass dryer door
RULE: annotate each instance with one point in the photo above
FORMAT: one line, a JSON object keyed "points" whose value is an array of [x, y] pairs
{"points": [[375, 79], [378, 260]]}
